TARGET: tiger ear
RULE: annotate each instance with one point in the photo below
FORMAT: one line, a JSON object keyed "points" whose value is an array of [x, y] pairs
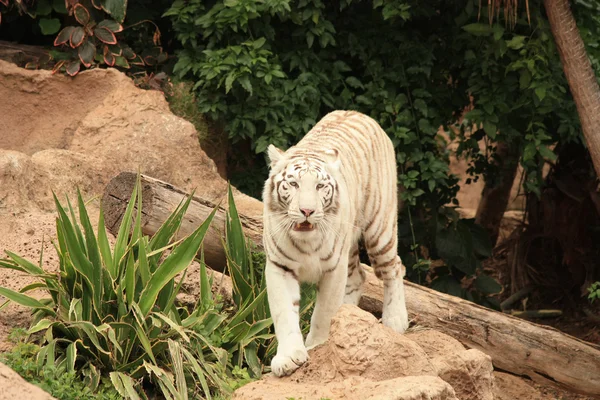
{"points": [[333, 159], [274, 154]]}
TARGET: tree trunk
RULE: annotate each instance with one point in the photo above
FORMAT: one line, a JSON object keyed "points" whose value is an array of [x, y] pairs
{"points": [[159, 200], [496, 193], [579, 73], [515, 345]]}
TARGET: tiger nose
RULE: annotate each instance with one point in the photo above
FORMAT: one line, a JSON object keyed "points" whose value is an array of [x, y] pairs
{"points": [[307, 212]]}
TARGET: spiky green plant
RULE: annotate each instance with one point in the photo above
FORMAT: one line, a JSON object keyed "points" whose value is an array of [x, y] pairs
{"points": [[113, 311]]}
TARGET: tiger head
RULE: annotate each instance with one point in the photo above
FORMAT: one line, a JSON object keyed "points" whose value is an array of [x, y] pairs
{"points": [[302, 191]]}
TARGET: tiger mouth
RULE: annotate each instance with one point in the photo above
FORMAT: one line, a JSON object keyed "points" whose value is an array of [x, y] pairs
{"points": [[304, 226]]}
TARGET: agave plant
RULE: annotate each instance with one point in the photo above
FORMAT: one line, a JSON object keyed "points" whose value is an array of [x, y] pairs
{"points": [[113, 310]]}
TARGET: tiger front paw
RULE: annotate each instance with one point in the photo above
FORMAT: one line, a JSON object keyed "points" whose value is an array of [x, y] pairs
{"points": [[398, 323], [286, 362]]}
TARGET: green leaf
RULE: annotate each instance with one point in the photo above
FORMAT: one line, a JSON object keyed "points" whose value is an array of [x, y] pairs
{"points": [[245, 82], [529, 152], [547, 153], [447, 284], [516, 42], [116, 9], [24, 300], [478, 29], [125, 385], [487, 285], [121, 62], [87, 52], [49, 26], [524, 79], [43, 8], [105, 35], [64, 35], [179, 259], [490, 129], [111, 25], [257, 44], [540, 92], [82, 15], [59, 6], [42, 325], [71, 356], [354, 82], [77, 37]]}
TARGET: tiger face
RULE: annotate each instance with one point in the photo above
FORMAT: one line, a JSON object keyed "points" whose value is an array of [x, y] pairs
{"points": [[303, 191]]}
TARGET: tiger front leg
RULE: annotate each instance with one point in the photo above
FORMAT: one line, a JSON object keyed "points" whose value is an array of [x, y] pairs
{"points": [[283, 291], [330, 297]]}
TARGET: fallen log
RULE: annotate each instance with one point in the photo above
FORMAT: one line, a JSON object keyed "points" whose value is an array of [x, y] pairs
{"points": [[159, 199], [523, 348], [542, 353]]}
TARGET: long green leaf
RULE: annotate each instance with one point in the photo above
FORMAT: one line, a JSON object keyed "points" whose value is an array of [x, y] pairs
{"points": [[93, 253], [242, 314], [124, 385], [24, 300], [178, 328], [144, 341], [130, 279], [177, 358], [124, 231], [91, 332], [165, 380], [199, 371], [71, 356], [40, 326], [27, 266], [168, 229], [179, 259], [104, 246]]}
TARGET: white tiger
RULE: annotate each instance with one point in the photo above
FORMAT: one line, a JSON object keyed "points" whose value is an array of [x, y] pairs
{"points": [[336, 184]]}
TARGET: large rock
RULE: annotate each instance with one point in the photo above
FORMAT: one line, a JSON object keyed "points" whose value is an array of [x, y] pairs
{"points": [[102, 115], [469, 372], [13, 387], [363, 354]]}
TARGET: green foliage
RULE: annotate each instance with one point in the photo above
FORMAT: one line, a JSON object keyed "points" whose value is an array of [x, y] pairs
{"points": [[94, 39], [520, 95], [269, 70], [60, 384], [594, 290], [113, 311]]}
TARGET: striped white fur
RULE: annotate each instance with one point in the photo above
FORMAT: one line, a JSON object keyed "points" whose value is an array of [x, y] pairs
{"points": [[337, 184]]}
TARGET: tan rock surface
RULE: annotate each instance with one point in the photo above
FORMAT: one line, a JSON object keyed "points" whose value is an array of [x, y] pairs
{"points": [[13, 387], [363, 354]]}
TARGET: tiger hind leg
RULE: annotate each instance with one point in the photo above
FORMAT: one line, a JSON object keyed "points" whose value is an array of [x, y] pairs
{"points": [[382, 248], [356, 278]]}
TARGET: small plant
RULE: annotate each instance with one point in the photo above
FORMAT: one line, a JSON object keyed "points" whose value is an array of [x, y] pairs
{"points": [[594, 290], [113, 312], [64, 386], [94, 39]]}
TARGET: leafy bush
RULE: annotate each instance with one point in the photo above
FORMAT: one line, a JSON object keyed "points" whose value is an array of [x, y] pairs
{"points": [[269, 70], [95, 38], [114, 311], [62, 385]]}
